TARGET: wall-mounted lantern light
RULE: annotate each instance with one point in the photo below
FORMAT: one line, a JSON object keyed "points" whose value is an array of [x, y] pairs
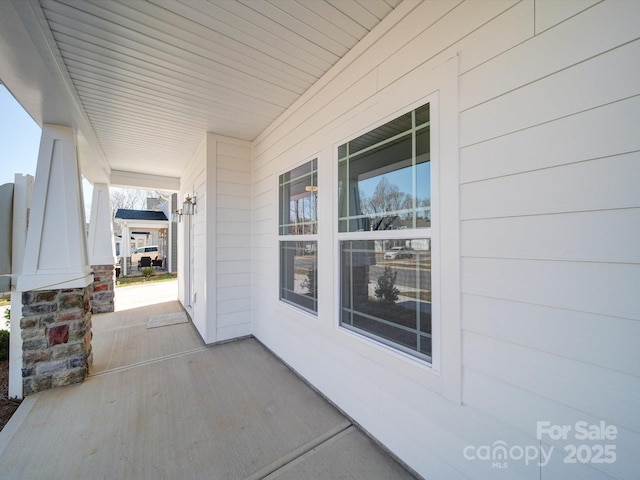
{"points": [[176, 216], [188, 205]]}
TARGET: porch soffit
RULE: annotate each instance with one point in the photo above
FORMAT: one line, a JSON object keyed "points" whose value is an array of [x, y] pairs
{"points": [[151, 77]]}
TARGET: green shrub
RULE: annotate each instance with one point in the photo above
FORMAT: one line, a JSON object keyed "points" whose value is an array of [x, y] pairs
{"points": [[386, 290], [148, 272], [4, 345]]}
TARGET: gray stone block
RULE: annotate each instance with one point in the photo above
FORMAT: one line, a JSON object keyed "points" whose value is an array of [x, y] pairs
{"points": [[39, 308], [51, 367]]}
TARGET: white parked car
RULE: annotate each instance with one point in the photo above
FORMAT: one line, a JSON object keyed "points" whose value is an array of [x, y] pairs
{"points": [[399, 252], [148, 251]]}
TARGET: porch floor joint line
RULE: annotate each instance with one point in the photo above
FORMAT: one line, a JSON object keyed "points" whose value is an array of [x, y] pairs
{"points": [[119, 327], [149, 362], [271, 471]]}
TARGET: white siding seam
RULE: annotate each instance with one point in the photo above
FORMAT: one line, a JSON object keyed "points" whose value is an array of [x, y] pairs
{"points": [[534, 349], [579, 112], [584, 60], [567, 260], [503, 51], [554, 400], [528, 433], [548, 305], [542, 214], [549, 167], [535, 2]]}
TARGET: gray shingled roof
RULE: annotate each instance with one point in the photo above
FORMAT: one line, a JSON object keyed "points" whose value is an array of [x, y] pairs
{"points": [[126, 214]]}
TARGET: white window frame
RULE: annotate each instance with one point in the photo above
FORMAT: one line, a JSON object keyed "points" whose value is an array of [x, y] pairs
{"points": [[296, 238], [431, 232]]}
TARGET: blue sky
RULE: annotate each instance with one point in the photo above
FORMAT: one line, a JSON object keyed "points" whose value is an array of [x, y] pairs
{"points": [[19, 139], [20, 142]]}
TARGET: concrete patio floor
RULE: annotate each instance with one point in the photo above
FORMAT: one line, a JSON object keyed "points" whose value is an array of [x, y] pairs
{"points": [[159, 404]]}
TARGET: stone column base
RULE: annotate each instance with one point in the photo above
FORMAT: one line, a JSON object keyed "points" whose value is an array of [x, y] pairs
{"points": [[56, 338], [104, 280]]}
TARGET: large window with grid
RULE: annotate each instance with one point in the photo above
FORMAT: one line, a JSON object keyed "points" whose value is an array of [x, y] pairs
{"points": [[298, 243], [384, 225]]}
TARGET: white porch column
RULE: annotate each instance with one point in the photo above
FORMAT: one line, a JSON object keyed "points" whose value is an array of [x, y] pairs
{"points": [[56, 277], [125, 248], [56, 239], [22, 195], [101, 250]]}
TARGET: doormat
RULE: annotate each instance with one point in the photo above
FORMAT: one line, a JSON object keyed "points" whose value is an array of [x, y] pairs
{"points": [[167, 319]]}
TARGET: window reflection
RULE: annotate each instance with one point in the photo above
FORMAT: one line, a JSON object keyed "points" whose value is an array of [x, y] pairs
{"points": [[299, 200], [298, 274], [385, 178], [386, 291]]}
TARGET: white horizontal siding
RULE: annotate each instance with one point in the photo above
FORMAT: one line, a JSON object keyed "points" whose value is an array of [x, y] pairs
{"points": [[600, 132], [604, 183], [511, 406], [233, 306], [550, 212], [571, 42], [551, 12], [233, 240], [235, 266], [598, 340], [234, 215], [601, 288], [591, 236], [584, 387], [232, 293], [236, 200], [236, 228], [453, 21], [598, 81], [233, 331]]}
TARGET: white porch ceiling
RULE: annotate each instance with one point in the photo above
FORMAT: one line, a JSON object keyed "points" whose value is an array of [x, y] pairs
{"points": [[151, 77]]}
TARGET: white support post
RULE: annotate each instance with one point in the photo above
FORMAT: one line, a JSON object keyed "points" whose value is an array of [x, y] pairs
{"points": [[56, 239], [22, 194], [102, 251], [56, 278], [125, 248], [100, 242]]}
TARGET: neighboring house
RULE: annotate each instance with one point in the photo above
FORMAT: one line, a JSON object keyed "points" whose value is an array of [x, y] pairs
{"points": [[145, 227], [497, 139]]}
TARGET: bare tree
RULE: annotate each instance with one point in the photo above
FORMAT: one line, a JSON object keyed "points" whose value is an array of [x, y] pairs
{"points": [[386, 197], [127, 198]]}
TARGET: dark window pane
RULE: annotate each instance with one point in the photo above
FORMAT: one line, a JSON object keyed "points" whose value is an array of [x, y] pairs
{"points": [[298, 200], [342, 151], [422, 115], [386, 292], [385, 181], [298, 274], [423, 179], [380, 134]]}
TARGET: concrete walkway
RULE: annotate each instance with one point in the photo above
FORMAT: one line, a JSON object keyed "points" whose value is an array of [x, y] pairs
{"points": [[159, 404]]}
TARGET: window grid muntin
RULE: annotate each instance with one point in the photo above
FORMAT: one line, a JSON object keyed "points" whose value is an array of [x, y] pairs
{"points": [[306, 235], [305, 301], [285, 225], [349, 313], [348, 157], [424, 212]]}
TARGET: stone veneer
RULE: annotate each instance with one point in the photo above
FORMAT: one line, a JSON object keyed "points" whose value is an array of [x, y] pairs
{"points": [[104, 280], [56, 338]]}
